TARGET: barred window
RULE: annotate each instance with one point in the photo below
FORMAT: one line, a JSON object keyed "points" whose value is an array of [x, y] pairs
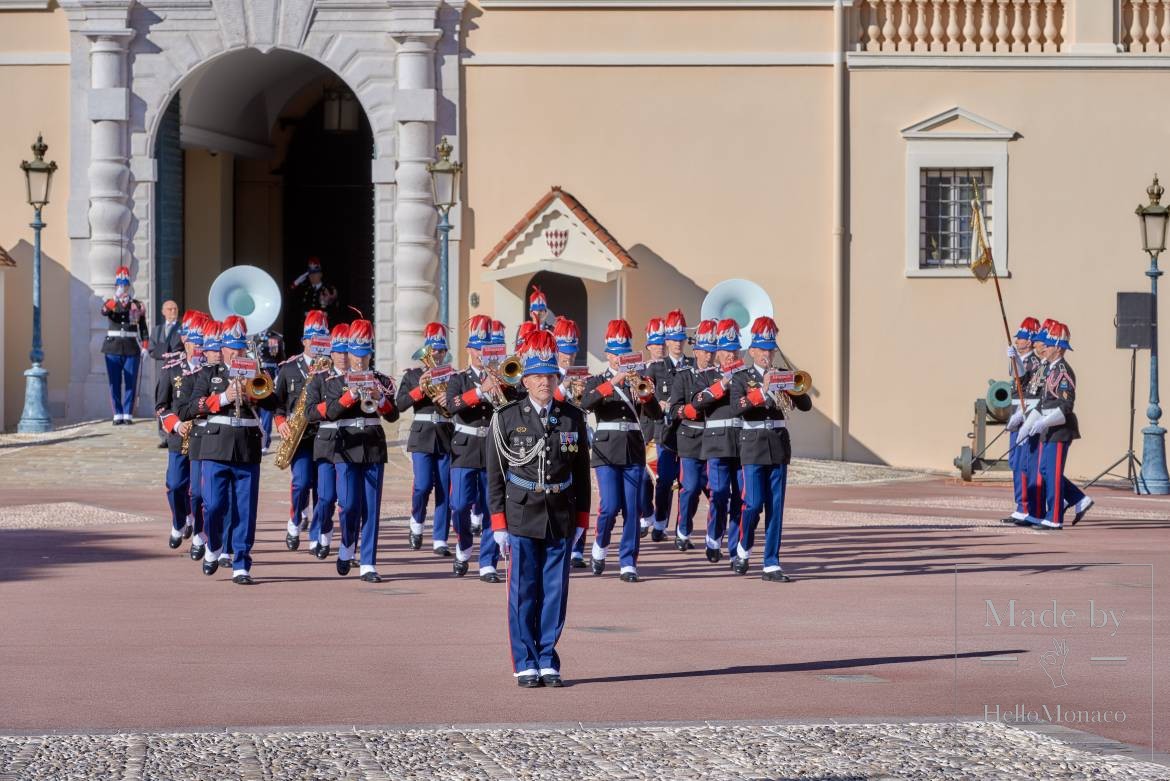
{"points": [[944, 215]]}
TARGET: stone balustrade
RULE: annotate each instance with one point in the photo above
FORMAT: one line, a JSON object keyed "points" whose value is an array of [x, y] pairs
{"points": [[967, 26], [1145, 26]]}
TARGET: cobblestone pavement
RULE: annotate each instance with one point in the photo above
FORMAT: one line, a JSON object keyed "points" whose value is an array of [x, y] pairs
{"points": [[825, 752]]}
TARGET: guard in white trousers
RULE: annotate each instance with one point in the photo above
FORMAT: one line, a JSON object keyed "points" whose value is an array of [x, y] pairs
{"points": [[764, 450], [538, 493]]}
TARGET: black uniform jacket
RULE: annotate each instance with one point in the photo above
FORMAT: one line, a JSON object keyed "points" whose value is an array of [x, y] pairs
{"points": [[324, 442], [536, 513], [1031, 371], [175, 382], [222, 441], [199, 424], [609, 405], [713, 402], [663, 373], [291, 378], [129, 319], [425, 437], [468, 450], [761, 445], [354, 444], [687, 421], [1060, 391]]}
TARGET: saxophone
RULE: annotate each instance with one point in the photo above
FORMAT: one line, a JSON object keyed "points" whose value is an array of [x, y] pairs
{"points": [[299, 420]]}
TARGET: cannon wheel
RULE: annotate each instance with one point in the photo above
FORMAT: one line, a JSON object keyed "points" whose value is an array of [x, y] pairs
{"points": [[966, 464]]}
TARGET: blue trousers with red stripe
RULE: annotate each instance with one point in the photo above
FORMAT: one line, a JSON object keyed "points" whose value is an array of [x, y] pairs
{"points": [[620, 490], [1024, 461], [322, 522], [1058, 489], [304, 481], [432, 472], [359, 494], [693, 472], [231, 492], [725, 503], [664, 487], [469, 487], [178, 488], [538, 597], [645, 505], [764, 486], [195, 495], [122, 373]]}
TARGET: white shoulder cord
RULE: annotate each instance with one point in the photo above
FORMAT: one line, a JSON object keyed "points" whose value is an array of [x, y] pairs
{"points": [[513, 457]]}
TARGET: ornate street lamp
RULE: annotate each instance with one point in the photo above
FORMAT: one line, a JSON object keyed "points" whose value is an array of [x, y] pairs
{"points": [[38, 176], [445, 188], [1154, 218]]}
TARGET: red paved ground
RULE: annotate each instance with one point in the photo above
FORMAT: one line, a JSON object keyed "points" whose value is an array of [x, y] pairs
{"points": [[106, 628]]}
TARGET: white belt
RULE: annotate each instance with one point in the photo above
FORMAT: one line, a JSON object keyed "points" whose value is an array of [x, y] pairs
{"points": [[616, 425], [429, 417], [228, 420], [130, 334], [351, 423], [473, 431], [765, 424], [694, 424], [725, 423]]}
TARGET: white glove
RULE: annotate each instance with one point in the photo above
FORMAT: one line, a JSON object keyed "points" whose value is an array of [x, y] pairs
{"points": [[1016, 420], [577, 535], [1031, 423], [501, 538], [1053, 417], [1011, 353]]}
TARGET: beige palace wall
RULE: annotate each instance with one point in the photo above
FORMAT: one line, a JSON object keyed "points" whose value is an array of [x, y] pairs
{"points": [[701, 173], [922, 350], [36, 98]]}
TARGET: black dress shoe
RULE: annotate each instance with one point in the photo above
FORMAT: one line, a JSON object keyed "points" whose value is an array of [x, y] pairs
{"points": [[657, 535], [491, 577], [174, 541], [630, 577], [476, 531], [305, 523], [343, 567], [776, 576], [680, 544], [128, 422], [739, 566], [243, 580], [292, 541], [1077, 518], [415, 541], [372, 577], [161, 445], [322, 552], [529, 681], [117, 421], [187, 532], [443, 551], [598, 566], [1008, 521], [578, 562], [196, 552], [459, 568], [714, 555], [552, 680], [643, 531], [209, 567]]}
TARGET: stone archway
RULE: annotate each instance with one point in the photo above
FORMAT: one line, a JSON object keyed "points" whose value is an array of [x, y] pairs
{"points": [[129, 59]]}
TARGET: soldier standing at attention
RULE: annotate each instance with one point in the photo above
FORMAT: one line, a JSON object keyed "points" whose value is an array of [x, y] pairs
{"points": [[764, 449], [539, 494], [429, 445], [123, 346], [291, 378]]}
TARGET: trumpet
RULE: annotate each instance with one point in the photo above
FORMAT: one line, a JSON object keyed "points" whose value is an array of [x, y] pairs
{"points": [[369, 406], [508, 371], [801, 383], [641, 386], [259, 387], [435, 391]]}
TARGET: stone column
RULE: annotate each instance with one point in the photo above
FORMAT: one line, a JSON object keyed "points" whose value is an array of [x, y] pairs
{"points": [[415, 261], [109, 184]]}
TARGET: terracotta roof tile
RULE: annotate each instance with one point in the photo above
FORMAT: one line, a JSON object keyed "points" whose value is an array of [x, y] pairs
{"points": [[573, 205], [6, 260]]}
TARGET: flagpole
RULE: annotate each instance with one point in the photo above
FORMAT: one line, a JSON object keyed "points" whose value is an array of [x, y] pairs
{"points": [[977, 206]]}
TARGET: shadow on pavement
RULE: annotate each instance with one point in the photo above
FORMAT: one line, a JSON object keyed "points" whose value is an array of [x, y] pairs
{"points": [[26, 554]]}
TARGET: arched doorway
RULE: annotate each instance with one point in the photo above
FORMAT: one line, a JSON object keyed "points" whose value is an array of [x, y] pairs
{"points": [[566, 296]]}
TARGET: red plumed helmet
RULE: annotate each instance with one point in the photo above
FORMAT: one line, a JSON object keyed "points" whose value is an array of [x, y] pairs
{"points": [[316, 322], [540, 343], [122, 275], [526, 329], [618, 329], [479, 329], [1030, 324], [565, 328], [537, 302], [676, 319]]}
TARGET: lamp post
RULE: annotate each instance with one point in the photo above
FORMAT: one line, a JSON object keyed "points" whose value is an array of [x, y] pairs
{"points": [[445, 188], [38, 176], [1154, 218]]}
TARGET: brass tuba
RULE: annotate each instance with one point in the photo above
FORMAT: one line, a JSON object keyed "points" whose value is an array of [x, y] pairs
{"points": [[435, 391]]}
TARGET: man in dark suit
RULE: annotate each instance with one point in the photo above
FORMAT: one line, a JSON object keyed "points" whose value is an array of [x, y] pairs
{"points": [[166, 346], [538, 495]]}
